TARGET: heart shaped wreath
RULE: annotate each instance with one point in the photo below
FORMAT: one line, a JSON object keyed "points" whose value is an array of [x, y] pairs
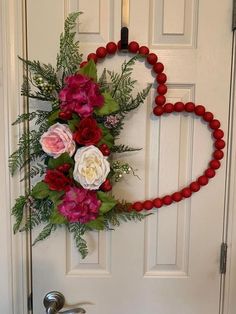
{"points": [[75, 140]]}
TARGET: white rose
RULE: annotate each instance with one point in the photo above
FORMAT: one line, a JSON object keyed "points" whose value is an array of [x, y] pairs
{"points": [[58, 140], [91, 167]]}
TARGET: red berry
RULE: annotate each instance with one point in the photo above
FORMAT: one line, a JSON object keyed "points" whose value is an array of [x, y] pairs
{"points": [[177, 197], [65, 115], [208, 116], [210, 173], [158, 67], [179, 106], [215, 164], [195, 186], [218, 134], [82, 64], [218, 154], [161, 78], [106, 186], [133, 47], [202, 180], [168, 108], [92, 56], [189, 107], [105, 149], [162, 89], [219, 144], [167, 200], [101, 52], [148, 205], [111, 47], [143, 50], [138, 206], [200, 110], [214, 124], [186, 192], [152, 58], [157, 202], [160, 100], [119, 45], [158, 110]]}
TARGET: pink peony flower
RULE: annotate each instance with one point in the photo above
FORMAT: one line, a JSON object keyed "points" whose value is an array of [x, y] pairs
{"points": [[80, 205], [58, 140], [80, 95]]}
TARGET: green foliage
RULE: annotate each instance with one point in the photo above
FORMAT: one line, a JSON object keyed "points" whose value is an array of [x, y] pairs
{"points": [[62, 159], [121, 213], [110, 106], [108, 202], [123, 149], [69, 57], [29, 149], [89, 70], [97, 224], [40, 190], [78, 231], [18, 211], [35, 170], [107, 137], [45, 233]]}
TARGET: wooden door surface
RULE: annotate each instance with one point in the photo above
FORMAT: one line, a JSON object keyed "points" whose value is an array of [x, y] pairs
{"points": [[168, 263]]}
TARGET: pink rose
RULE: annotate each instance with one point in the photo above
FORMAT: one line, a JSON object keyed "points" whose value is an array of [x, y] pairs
{"points": [[58, 140], [80, 95], [80, 205]]}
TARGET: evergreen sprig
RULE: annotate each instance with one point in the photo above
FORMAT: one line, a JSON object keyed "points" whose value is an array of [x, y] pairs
{"points": [[46, 232], [18, 211], [123, 149], [78, 231], [69, 57], [29, 150]]}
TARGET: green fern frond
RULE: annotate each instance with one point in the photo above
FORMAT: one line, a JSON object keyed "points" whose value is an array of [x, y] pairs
{"points": [[78, 231], [18, 211], [137, 101], [45, 233], [29, 150], [123, 148], [69, 57], [35, 170]]}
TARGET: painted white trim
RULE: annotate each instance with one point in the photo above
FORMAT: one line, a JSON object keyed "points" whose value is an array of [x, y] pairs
{"points": [[230, 278], [14, 290]]}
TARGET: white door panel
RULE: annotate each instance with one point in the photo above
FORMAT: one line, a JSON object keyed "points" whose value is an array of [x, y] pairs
{"points": [[168, 264]]}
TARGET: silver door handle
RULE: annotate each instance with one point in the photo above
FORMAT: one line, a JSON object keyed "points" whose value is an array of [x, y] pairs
{"points": [[54, 301]]}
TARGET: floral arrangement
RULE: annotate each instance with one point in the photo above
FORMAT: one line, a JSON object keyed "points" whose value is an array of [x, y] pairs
{"points": [[71, 151]]}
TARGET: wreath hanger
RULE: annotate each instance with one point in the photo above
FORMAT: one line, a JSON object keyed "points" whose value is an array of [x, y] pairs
{"points": [[124, 34]]}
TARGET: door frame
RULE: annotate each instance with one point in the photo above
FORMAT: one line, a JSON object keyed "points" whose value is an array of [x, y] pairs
{"points": [[16, 263]]}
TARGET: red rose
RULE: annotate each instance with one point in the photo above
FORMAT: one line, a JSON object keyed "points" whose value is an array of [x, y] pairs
{"points": [[57, 181], [88, 132]]}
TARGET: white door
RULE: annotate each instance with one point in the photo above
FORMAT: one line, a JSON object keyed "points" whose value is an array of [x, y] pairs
{"points": [[168, 264]]}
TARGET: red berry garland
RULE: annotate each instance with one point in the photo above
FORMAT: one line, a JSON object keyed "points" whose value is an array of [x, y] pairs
{"points": [[161, 107]]}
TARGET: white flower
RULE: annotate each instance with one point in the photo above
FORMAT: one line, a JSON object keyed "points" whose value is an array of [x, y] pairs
{"points": [[91, 167], [58, 140]]}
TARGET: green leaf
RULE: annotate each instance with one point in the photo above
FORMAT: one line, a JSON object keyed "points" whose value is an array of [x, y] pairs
{"points": [[107, 137], [55, 196], [40, 190], [110, 106], [61, 160], [73, 123], [56, 218], [108, 202], [89, 70], [97, 224], [53, 117]]}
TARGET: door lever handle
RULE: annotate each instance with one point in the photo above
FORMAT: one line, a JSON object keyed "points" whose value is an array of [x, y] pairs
{"points": [[73, 311], [54, 301]]}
